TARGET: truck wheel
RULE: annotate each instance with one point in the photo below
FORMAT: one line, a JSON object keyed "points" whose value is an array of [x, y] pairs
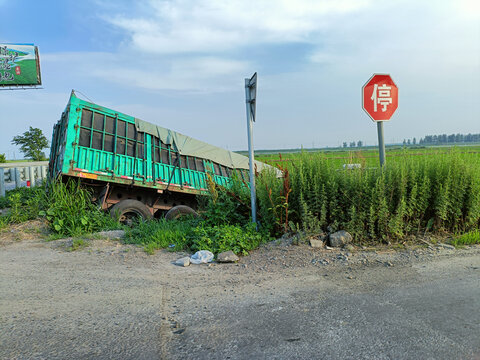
{"points": [[126, 211], [179, 211]]}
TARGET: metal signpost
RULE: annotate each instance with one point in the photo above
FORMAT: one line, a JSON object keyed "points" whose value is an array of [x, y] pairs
{"points": [[250, 96], [380, 100]]}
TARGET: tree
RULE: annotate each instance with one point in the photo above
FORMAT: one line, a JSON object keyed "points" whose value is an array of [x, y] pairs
{"points": [[344, 144], [359, 143], [409, 142], [31, 143], [414, 141], [3, 158], [352, 144]]}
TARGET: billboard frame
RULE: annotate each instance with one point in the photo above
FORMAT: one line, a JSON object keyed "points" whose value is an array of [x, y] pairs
{"points": [[34, 84]]}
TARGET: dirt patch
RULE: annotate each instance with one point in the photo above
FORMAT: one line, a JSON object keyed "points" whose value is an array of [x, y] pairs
{"points": [[29, 230]]}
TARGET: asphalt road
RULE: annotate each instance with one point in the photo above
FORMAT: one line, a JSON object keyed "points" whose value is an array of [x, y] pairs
{"points": [[110, 301], [424, 311]]}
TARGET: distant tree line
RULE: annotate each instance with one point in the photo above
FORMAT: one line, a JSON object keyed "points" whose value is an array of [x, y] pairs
{"points": [[359, 144], [444, 139]]}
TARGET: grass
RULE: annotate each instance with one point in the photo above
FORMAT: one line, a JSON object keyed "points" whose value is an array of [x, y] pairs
{"points": [[193, 235], [77, 244], [153, 235], [368, 156], [469, 238]]}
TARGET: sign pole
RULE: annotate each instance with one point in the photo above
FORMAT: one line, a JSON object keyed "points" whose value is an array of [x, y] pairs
{"points": [[381, 142], [380, 101], [250, 95]]}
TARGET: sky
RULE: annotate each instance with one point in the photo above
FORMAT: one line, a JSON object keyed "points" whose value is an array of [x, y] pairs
{"points": [[181, 64]]}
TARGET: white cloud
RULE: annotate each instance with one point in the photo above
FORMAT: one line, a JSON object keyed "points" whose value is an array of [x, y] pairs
{"points": [[195, 45], [195, 73], [214, 26], [409, 34]]}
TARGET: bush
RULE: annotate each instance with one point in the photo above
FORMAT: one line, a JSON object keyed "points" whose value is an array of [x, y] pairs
{"points": [[222, 238], [24, 203], [223, 206], [224, 224]]}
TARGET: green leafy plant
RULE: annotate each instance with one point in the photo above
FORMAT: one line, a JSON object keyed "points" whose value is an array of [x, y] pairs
{"points": [[239, 239], [70, 212]]}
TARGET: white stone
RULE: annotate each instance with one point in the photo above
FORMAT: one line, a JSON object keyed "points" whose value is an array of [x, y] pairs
{"points": [[185, 261]]}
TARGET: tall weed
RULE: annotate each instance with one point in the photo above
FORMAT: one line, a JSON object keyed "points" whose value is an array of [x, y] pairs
{"points": [[408, 196]]}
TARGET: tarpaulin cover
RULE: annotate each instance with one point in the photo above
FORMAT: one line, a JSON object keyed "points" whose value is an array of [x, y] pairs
{"points": [[189, 146]]}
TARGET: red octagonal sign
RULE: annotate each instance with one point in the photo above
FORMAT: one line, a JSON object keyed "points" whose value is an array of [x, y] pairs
{"points": [[380, 97]]}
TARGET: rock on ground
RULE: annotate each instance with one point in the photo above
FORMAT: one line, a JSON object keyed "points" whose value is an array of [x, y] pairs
{"points": [[185, 261], [340, 238], [446, 246], [316, 243], [227, 256], [112, 234]]}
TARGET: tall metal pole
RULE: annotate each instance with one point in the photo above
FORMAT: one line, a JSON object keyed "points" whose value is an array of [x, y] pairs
{"points": [[381, 142], [250, 150]]}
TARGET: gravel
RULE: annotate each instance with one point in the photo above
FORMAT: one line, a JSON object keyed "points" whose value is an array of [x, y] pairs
{"points": [[111, 300]]}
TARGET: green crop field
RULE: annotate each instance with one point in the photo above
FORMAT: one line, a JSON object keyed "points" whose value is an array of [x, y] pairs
{"points": [[366, 156]]}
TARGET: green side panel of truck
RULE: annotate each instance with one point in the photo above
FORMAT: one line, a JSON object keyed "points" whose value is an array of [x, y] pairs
{"points": [[114, 155]]}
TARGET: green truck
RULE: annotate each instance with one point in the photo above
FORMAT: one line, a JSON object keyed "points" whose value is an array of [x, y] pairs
{"points": [[135, 168]]}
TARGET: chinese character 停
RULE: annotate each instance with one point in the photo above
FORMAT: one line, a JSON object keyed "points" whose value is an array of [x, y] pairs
{"points": [[381, 95]]}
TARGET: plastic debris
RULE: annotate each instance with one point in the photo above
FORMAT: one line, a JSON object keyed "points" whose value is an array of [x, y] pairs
{"points": [[201, 257]]}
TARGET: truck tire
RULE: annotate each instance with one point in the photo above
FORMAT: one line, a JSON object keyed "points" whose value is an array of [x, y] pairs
{"points": [[126, 211], [179, 211]]}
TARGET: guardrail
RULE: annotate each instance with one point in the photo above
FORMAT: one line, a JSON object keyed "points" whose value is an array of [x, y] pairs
{"points": [[14, 175]]}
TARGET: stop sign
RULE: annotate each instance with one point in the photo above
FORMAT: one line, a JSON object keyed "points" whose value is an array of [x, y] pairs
{"points": [[380, 97]]}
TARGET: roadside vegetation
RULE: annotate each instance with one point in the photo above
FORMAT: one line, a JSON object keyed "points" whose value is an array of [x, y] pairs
{"points": [[67, 209], [469, 238], [410, 196], [224, 224]]}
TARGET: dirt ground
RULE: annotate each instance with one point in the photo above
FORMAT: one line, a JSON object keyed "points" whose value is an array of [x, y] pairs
{"points": [[108, 301]]}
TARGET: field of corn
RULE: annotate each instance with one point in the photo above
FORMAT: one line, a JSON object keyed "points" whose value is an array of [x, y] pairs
{"points": [[419, 190]]}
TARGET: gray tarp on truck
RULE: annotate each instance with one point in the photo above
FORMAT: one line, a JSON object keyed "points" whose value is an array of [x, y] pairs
{"points": [[186, 145]]}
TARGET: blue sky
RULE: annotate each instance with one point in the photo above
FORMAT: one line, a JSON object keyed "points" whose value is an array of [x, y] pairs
{"points": [[182, 64]]}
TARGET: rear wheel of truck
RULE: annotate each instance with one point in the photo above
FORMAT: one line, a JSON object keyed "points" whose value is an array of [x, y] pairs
{"points": [[128, 211], [178, 211]]}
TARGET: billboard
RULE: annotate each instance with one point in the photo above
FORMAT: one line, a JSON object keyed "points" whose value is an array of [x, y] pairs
{"points": [[19, 65]]}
